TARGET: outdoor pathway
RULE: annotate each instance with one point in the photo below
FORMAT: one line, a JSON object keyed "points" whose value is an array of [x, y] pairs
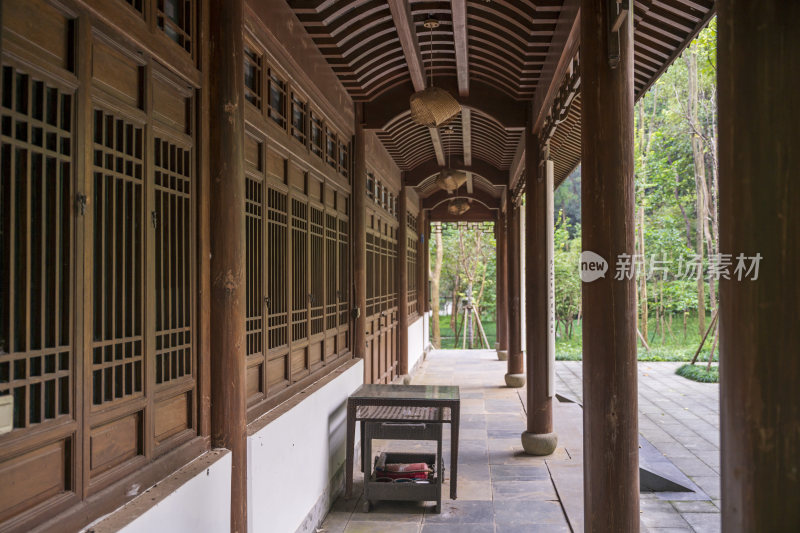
{"points": [[502, 490]]}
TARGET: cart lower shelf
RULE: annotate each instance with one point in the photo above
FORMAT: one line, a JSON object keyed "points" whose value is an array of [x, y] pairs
{"points": [[406, 491]]}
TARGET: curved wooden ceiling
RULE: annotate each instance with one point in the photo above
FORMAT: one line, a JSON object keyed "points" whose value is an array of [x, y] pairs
{"points": [[375, 46]]}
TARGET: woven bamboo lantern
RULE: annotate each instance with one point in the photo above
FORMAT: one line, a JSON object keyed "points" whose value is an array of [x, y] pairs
{"points": [[458, 206], [450, 180], [433, 107]]}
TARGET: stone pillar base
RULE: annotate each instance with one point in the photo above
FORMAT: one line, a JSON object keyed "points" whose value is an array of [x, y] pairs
{"points": [[539, 443], [502, 355], [407, 379], [515, 380]]}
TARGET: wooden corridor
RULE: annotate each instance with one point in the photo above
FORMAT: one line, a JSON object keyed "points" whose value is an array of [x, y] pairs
{"points": [[209, 208]]}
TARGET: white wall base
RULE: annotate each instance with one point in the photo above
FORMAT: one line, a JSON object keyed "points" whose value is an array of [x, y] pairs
{"points": [[195, 498], [416, 343], [295, 461]]}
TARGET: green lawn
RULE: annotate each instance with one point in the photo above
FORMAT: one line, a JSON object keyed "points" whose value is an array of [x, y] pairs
{"points": [[448, 335], [670, 347]]}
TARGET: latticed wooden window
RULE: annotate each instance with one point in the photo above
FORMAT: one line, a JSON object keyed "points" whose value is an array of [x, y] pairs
{"points": [[136, 4], [330, 148], [316, 134], [299, 119], [411, 251], [117, 269], [300, 294], [331, 288], [252, 76], [174, 18], [317, 266], [173, 273], [36, 269], [277, 99], [344, 159], [277, 330], [344, 272], [371, 274], [254, 269]]}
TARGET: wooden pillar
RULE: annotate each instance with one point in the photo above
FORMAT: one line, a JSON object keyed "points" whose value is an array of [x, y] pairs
{"points": [[227, 268], [539, 439], [502, 286], [427, 252], [610, 429], [759, 207], [359, 239], [422, 263], [516, 367], [401, 281]]}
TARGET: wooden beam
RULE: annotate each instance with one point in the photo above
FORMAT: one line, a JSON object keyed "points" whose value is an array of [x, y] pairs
{"points": [[404, 22], [759, 213], [436, 139], [563, 47], [466, 134], [421, 172], [470, 185], [610, 414], [228, 255], [460, 42]]}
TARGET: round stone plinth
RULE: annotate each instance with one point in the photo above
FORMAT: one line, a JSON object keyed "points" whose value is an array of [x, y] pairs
{"points": [[515, 380], [407, 379], [539, 443], [502, 355]]}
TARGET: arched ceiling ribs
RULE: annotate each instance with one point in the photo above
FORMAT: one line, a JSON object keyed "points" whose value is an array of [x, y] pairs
{"points": [[477, 213], [429, 168], [488, 99], [479, 196]]}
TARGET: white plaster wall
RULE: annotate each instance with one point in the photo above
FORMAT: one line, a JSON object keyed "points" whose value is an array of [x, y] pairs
{"points": [[416, 342], [292, 460], [203, 503]]}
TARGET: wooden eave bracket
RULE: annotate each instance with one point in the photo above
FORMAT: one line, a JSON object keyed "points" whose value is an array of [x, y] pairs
{"points": [[618, 11]]}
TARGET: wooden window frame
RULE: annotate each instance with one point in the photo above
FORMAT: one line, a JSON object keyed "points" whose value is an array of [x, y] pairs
{"points": [[277, 85]]}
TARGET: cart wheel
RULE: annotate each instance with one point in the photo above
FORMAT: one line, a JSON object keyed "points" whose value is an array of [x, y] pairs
{"points": [[366, 506]]}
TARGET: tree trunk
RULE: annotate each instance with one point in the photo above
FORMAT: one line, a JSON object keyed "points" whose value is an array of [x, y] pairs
{"points": [[436, 275], [700, 184]]}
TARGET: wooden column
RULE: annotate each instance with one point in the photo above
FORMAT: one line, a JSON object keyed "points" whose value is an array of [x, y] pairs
{"points": [[539, 439], [422, 263], [401, 281], [227, 268], [427, 252], [516, 367], [759, 204], [359, 238], [610, 429], [502, 286]]}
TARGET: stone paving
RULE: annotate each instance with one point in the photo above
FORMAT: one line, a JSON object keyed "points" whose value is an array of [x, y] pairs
{"points": [[502, 490]]}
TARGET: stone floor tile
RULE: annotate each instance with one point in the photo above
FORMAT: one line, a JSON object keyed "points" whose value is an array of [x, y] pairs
{"points": [[463, 512], [704, 522], [381, 527]]}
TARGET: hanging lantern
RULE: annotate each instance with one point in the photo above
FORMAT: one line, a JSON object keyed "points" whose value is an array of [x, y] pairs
{"points": [[433, 107], [450, 180], [458, 206]]}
